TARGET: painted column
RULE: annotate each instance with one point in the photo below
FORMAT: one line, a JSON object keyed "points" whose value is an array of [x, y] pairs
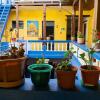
{"points": [[80, 18], [17, 20], [44, 21], [94, 33], [73, 23]]}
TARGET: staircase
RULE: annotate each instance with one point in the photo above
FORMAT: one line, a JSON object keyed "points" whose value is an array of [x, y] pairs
{"points": [[4, 13]]}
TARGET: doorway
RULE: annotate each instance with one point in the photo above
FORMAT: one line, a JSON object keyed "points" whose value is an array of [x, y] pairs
{"points": [[85, 29], [49, 29]]}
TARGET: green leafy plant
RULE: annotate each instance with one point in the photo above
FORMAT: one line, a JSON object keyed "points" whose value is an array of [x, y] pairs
{"points": [[65, 64], [80, 35], [73, 35], [88, 61], [41, 60]]}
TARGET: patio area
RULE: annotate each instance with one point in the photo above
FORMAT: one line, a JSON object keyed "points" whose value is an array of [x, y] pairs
{"points": [[45, 44]]}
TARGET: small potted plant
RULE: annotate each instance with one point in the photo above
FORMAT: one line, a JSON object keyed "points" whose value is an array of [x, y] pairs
{"points": [[90, 73], [66, 72], [73, 37], [80, 38], [97, 46], [40, 73]]}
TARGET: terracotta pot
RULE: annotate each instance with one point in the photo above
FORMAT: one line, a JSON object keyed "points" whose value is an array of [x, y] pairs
{"points": [[11, 71], [97, 47], [66, 79], [73, 38], [80, 40], [90, 77]]}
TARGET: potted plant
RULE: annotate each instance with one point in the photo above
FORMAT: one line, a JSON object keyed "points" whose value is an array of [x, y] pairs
{"points": [[97, 46], [11, 31], [66, 72], [12, 67], [40, 73], [73, 37], [80, 38], [96, 40], [90, 73]]}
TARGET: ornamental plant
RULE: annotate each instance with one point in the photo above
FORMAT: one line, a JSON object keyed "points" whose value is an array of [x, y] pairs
{"points": [[88, 61], [80, 35], [65, 64]]}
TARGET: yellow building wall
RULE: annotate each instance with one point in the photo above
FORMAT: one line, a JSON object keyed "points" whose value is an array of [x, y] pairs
{"points": [[56, 14]]}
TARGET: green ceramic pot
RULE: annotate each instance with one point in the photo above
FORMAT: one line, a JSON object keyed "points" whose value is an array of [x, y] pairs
{"points": [[40, 74]]}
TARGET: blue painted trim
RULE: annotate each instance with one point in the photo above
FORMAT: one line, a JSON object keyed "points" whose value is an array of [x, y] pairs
{"points": [[53, 41], [96, 55], [46, 54], [21, 40], [82, 46], [4, 46]]}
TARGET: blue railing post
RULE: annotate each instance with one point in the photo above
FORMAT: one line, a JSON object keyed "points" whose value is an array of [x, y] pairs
{"points": [[8, 1], [0, 2], [44, 46]]}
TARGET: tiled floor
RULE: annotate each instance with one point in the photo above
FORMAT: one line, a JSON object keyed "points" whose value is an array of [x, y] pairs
{"points": [[53, 86]]}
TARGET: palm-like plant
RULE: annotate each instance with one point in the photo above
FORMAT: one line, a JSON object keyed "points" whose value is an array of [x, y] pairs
{"points": [[88, 61], [65, 63]]}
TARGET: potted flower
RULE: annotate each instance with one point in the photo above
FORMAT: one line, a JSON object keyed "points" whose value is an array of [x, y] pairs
{"points": [[12, 68], [90, 73], [40, 72], [66, 72], [80, 38]]}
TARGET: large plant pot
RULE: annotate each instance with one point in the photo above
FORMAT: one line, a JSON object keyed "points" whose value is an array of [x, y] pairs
{"points": [[80, 40], [66, 79], [40, 74], [11, 71], [90, 77]]}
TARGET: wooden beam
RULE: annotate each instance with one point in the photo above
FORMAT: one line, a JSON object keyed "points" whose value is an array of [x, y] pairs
{"points": [[80, 18], [17, 20], [73, 22], [74, 2], [44, 21], [41, 4]]}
